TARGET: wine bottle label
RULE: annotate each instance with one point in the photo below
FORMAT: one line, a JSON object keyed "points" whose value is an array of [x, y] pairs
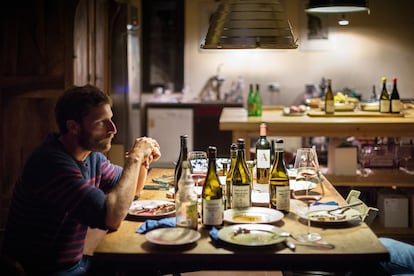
{"points": [[384, 106], [329, 106], [262, 188], [263, 158], [213, 211], [283, 198], [187, 215], [240, 196], [395, 106]]}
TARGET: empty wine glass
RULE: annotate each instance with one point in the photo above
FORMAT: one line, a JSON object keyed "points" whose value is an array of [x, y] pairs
{"points": [[199, 165], [311, 191]]}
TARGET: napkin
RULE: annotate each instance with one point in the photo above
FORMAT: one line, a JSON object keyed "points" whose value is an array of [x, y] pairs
{"points": [[214, 234], [151, 224], [333, 203]]}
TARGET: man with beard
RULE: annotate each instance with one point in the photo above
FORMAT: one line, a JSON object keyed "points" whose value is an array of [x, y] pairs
{"points": [[68, 185]]}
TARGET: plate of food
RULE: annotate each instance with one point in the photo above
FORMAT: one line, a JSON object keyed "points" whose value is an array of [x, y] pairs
{"points": [[295, 110], [329, 214], [252, 215], [151, 208], [251, 234], [172, 236]]}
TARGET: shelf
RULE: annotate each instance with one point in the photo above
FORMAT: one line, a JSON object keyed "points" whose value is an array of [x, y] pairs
{"points": [[377, 178]]}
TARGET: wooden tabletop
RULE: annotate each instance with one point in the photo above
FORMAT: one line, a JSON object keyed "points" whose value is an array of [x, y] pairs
{"points": [[236, 120], [355, 246]]}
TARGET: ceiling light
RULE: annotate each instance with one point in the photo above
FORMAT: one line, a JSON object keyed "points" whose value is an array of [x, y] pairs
{"points": [[337, 6], [343, 21], [248, 24]]}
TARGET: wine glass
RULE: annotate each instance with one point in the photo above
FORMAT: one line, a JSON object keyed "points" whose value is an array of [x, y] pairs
{"points": [[199, 165], [311, 189]]}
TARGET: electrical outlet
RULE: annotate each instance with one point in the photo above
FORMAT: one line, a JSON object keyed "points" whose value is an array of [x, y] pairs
{"points": [[273, 87]]}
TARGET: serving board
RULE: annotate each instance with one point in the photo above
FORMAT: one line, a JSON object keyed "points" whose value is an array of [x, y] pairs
{"points": [[313, 113]]}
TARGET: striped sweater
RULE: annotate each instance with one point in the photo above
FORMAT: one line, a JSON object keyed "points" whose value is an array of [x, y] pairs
{"points": [[55, 199]]}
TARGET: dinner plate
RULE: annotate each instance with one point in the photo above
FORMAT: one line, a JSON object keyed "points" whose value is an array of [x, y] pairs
{"points": [[319, 213], [252, 215], [151, 208], [172, 236], [251, 234]]}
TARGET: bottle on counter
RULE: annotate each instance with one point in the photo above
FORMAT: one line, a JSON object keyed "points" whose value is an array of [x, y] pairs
{"points": [[241, 184], [229, 177], [279, 181], [258, 100], [329, 99], [384, 102], [395, 98], [251, 102], [212, 195], [181, 158], [186, 200], [263, 155], [272, 153]]}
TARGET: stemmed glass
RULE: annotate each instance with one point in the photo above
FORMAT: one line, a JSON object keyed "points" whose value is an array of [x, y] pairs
{"points": [[308, 177], [199, 165]]}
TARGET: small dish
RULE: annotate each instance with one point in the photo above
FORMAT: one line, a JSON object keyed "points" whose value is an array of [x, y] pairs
{"points": [[320, 214], [251, 234], [151, 208], [172, 236], [252, 215]]}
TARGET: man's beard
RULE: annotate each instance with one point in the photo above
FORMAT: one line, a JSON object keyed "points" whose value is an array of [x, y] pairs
{"points": [[94, 144]]}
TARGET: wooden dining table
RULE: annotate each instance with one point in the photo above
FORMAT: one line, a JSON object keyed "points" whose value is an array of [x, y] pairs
{"points": [[356, 246]]}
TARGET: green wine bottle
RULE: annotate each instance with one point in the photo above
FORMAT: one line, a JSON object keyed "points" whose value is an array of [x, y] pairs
{"points": [[279, 181], [229, 177], [212, 194], [384, 104], [241, 184], [329, 99], [395, 98], [251, 102]]}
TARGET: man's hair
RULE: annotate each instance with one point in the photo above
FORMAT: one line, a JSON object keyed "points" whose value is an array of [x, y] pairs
{"points": [[75, 104]]}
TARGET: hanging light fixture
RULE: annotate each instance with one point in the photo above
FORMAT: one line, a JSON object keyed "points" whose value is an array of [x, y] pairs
{"points": [[343, 21], [248, 24], [337, 6]]}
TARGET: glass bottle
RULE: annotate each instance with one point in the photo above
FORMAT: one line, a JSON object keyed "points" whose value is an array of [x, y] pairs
{"points": [[212, 194], [263, 155], [241, 184], [272, 153], [251, 103], [329, 99], [395, 98], [279, 181], [384, 104], [186, 200], [258, 101], [181, 158], [233, 160]]}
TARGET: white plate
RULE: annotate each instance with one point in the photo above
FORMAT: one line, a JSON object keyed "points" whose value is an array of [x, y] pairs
{"points": [[172, 236], [252, 215], [301, 185], [151, 208], [319, 213], [251, 234]]}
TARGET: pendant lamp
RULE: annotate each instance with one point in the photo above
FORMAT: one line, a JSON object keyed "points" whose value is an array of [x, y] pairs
{"points": [[337, 6]]}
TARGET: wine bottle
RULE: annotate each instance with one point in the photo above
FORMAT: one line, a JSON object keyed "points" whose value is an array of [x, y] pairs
{"points": [[251, 103], [181, 158], [241, 184], [279, 181], [329, 99], [395, 98], [186, 200], [272, 153], [212, 194], [384, 104], [229, 177], [258, 101], [263, 159]]}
